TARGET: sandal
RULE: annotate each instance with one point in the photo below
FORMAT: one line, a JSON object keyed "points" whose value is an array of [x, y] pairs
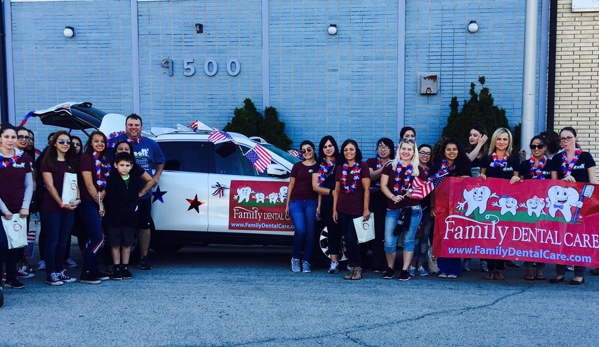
{"points": [[498, 275], [540, 277], [350, 275], [490, 275], [357, 274], [529, 278]]}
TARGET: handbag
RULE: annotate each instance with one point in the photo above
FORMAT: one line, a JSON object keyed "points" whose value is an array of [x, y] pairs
{"points": [[69, 188], [16, 231], [364, 228]]}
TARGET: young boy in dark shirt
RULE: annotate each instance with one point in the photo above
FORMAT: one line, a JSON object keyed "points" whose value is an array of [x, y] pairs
{"points": [[120, 203]]}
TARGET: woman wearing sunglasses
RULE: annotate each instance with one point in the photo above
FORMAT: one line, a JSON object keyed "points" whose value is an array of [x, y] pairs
{"points": [[571, 164], [94, 168], [378, 202], [57, 215], [301, 206], [537, 167]]}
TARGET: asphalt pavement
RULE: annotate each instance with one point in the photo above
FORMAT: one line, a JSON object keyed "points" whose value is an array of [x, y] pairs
{"points": [[247, 296]]}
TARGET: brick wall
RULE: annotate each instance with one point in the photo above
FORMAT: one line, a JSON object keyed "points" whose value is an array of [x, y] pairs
{"points": [[577, 74]]}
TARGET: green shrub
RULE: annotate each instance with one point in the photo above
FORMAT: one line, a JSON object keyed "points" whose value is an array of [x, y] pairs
{"points": [[248, 121]]}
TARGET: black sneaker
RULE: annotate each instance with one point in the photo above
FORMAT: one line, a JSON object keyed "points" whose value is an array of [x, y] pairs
{"points": [[88, 278], [389, 273], [14, 283], [404, 275], [127, 274], [64, 278], [117, 274], [52, 279], [144, 263], [99, 275]]}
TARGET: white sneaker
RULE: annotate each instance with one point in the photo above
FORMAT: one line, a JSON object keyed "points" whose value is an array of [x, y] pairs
{"points": [[22, 274], [295, 265], [64, 278], [334, 268], [41, 265]]}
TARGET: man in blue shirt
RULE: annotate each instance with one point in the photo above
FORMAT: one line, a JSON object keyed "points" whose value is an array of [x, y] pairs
{"points": [[148, 156]]}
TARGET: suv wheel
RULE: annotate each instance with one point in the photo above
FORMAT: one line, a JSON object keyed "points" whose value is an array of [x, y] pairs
{"points": [[321, 253]]}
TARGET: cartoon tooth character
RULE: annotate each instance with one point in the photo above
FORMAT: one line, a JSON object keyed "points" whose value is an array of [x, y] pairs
{"points": [[507, 204], [243, 194], [476, 198], [562, 199], [259, 197], [534, 205], [283, 193], [273, 197]]}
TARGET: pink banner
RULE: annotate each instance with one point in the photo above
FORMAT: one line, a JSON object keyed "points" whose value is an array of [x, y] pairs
{"points": [[546, 221], [258, 205]]}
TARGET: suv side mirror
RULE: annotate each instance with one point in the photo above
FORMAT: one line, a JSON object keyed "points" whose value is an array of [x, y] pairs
{"points": [[277, 170]]}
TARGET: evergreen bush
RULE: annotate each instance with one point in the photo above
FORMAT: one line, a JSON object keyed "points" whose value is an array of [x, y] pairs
{"points": [[248, 121]]}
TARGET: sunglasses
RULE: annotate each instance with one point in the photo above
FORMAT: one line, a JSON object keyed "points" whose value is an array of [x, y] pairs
{"points": [[64, 142], [307, 150], [533, 147], [23, 137]]}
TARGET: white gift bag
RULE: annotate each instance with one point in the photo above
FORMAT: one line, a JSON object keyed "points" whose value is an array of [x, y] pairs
{"points": [[16, 231], [69, 188], [364, 229]]}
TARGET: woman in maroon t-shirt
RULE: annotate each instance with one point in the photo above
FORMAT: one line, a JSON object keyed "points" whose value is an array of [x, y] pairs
{"points": [[396, 185], [57, 215], [350, 201], [301, 205], [16, 190]]}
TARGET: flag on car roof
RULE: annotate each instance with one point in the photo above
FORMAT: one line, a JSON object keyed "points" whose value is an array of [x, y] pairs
{"points": [[421, 188], [219, 136], [259, 157]]}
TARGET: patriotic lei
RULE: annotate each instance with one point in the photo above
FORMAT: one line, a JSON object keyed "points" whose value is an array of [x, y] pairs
{"points": [[379, 162], [444, 169], [567, 168], [101, 179], [499, 163], [324, 170], [356, 170], [406, 182], [537, 174], [4, 163], [116, 134]]}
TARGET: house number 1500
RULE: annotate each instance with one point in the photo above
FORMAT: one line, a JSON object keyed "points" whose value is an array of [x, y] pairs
{"points": [[210, 67]]}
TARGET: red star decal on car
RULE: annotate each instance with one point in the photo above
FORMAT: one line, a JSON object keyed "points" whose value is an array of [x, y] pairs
{"points": [[195, 204]]}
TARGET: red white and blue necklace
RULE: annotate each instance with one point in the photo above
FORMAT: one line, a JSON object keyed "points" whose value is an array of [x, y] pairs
{"points": [[324, 170], [444, 169], [101, 179], [537, 173], [116, 134], [354, 184], [6, 162], [406, 181], [567, 168], [495, 162]]}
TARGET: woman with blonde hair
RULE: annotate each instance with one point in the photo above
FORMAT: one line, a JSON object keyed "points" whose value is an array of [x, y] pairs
{"points": [[396, 185]]}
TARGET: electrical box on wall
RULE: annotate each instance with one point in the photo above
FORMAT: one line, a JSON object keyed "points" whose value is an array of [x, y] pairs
{"points": [[428, 82]]}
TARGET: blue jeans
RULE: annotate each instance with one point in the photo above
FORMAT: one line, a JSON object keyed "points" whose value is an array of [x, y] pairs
{"points": [[351, 238], [57, 230], [93, 224], [303, 215], [408, 235]]}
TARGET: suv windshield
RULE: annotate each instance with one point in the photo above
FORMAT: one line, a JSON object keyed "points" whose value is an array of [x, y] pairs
{"points": [[280, 153]]}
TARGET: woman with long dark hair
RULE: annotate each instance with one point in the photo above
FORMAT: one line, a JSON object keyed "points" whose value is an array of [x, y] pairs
{"points": [[385, 152], [452, 162], [323, 183], [427, 223], [94, 168], [16, 190], [350, 201], [499, 163], [301, 206], [57, 215], [572, 164]]}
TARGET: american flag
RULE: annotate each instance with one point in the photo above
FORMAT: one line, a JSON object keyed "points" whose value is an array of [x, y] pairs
{"points": [[259, 157], [28, 250], [421, 188], [218, 136], [437, 180]]}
